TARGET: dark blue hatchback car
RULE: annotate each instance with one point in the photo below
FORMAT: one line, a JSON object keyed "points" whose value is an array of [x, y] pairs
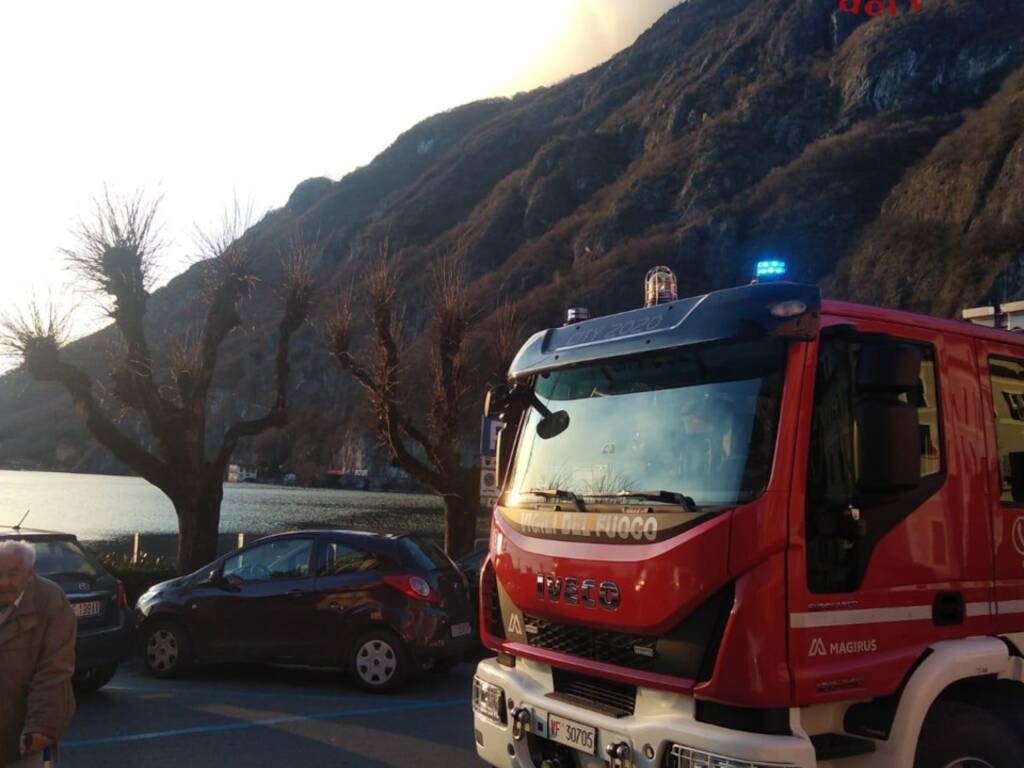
{"points": [[379, 606]]}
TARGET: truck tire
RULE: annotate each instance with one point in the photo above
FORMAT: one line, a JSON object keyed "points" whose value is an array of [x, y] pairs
{"points": [[166, 649], [964, 736]]}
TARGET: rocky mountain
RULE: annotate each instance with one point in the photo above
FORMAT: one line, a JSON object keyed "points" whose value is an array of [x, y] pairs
{"points": [[882, 156]]}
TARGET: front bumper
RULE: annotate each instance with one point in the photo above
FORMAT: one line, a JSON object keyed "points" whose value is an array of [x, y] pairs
{"points": [[105, 645], [661, 719]]}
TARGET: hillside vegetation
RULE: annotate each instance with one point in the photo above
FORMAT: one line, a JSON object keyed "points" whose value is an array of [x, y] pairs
{"points": [[883, 157]]}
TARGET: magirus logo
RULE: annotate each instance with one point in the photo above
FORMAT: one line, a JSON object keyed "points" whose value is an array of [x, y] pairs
{"points": [[841, 647], [879, 7]]}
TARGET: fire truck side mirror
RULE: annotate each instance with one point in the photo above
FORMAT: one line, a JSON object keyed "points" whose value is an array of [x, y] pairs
{"points": [[888, 427], [889, 367], [496, 400], [889, 445], [553, 425]]}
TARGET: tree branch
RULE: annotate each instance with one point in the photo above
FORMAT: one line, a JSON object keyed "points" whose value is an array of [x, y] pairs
{"points": [[381, 384], [298, 300], [451, 321], [79, 386], [116, 254]]}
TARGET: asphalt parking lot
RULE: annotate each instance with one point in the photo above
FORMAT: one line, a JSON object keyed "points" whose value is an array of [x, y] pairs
{"points": [[263, 716]]}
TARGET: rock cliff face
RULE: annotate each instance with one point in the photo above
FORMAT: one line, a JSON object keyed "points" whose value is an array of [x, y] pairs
{"points": [[884, 157]]}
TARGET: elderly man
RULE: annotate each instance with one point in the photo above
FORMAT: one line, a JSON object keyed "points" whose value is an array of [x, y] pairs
{"points": [[37, 659]]}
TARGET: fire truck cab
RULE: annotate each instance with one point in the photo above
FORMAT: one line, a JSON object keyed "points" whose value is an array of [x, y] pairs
{"points": [[753, 528]]}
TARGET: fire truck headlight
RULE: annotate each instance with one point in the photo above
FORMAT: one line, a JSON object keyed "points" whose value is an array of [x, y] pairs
{"points": [[489, 701], [685, 757]]}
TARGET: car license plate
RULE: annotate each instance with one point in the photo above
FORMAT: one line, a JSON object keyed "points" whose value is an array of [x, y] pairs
{"points": [[572, 734], [461, 629], [85, 610]]}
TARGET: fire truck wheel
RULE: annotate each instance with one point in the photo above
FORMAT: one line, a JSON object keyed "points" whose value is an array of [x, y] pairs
{"points": [[964, 736]]}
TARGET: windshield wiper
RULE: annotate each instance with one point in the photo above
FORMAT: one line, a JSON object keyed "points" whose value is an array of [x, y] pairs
{"points": [[560, 495], [669, 497]]}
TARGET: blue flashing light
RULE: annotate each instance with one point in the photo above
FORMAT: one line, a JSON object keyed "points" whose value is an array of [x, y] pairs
{"points": [[771, 269]]}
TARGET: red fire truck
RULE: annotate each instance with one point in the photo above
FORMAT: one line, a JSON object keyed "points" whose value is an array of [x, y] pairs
{"points": [[753, 528]]}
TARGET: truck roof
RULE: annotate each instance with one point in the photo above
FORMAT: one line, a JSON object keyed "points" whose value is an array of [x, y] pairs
{"points": [[920, 320], [749, 312], [744, 312]]}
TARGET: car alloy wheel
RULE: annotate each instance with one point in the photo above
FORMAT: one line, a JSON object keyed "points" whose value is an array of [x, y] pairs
{"points": [[376, 662], [162, 650]]}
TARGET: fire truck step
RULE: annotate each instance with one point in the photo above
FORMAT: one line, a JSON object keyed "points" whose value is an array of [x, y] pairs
{"points": [[835, 746]]}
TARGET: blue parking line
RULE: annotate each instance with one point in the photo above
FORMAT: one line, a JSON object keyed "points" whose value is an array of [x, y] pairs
{"points": [[198, 729], [252, 694]]}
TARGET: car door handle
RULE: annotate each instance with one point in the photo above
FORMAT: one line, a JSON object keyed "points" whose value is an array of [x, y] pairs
{"points": [[296, 592]]}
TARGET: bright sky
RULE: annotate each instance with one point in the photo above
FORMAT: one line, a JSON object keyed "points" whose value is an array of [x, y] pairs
{"points": [[206, 102]]}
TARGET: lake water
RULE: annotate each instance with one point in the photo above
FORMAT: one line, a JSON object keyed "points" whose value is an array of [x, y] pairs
{"points": [[110, 508]]}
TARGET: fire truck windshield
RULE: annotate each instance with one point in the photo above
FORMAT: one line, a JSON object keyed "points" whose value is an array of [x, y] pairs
{"points": [[697, 420]]}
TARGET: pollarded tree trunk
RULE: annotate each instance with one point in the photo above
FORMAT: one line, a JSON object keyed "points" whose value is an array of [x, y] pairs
{"points": [[460, 514], [198, 524]]}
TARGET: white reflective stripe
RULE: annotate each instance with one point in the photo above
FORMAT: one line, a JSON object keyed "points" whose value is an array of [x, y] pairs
{"points": [[860, 616], [1010, 606], [890, 615], [979, 609]]}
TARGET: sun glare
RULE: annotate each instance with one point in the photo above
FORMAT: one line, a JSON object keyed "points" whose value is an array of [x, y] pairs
{"points": [[206, 103]]}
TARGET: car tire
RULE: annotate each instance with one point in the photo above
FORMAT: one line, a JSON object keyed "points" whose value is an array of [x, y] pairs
{"points": [[379, 661], [964, 736], [90, 680], [166, 649]]}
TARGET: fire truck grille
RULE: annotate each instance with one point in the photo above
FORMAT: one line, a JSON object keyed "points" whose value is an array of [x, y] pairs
{"points": [[624, 650], [605, 696]]}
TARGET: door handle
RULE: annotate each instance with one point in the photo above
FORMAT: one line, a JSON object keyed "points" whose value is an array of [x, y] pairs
{"points": [[948, 609], [296, 592]]}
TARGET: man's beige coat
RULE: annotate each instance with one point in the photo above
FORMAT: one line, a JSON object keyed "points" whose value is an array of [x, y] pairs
{"points": [[37, 660]]}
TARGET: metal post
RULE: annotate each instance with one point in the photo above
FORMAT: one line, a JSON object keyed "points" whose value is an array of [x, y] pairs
{"points": [[241, 540], [135, 548]]}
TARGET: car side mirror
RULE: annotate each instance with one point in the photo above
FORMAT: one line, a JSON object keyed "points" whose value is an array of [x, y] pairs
{"points": [[215, 578]]}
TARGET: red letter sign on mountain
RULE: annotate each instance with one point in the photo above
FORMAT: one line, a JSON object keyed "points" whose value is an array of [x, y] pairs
{"points": [[875, 7]]}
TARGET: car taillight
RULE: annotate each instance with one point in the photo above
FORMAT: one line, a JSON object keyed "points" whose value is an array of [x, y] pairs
{"points": [[122, 596], [413, 586]]}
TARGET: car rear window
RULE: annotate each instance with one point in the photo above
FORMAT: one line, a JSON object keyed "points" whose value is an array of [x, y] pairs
{"points": [[64, 558], [425, 554]]}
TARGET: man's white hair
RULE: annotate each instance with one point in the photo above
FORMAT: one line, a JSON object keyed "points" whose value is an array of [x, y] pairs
{"points": [[23, 549]]}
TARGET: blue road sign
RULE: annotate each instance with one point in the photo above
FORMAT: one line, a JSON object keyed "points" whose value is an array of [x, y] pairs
{"points": [[489, 429]]}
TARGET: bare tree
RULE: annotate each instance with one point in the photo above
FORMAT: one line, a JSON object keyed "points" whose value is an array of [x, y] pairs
{"points": [[115, 255], [429, 453], [508, 336]]}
